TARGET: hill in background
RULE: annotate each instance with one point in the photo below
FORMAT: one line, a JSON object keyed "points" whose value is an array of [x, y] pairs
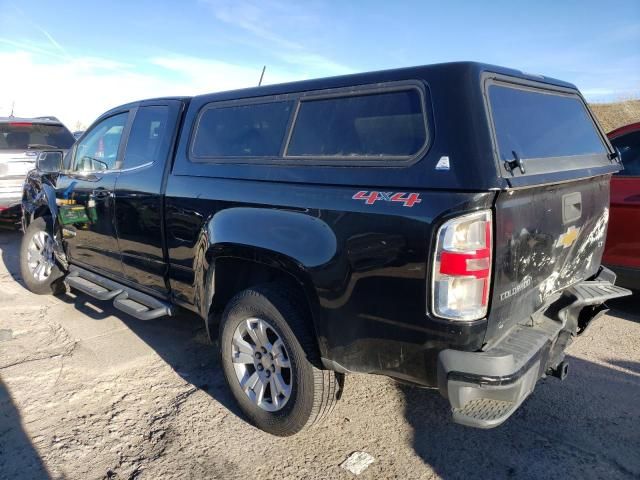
{"points": [[617, 114]]}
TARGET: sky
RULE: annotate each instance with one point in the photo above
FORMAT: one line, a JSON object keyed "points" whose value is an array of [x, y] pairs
{"points": [[77, 59]]}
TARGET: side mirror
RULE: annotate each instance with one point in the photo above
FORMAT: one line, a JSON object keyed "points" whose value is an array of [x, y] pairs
{"points": [[49, 161]]}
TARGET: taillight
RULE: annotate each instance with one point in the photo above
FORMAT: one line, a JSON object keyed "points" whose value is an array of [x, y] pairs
{"points": [[462, 267]]}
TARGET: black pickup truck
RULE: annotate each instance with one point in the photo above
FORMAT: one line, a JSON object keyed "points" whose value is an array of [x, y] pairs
{"points": [[442, 225]]}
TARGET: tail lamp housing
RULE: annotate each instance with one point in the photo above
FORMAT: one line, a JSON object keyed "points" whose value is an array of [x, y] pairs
{"points": [[462, 267]]}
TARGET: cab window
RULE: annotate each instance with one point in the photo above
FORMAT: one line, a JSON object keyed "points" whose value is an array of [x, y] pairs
{"points": [[98, 150], [373, 125], [149, 137], [241, 131]]}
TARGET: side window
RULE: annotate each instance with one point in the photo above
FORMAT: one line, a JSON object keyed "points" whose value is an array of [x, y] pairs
{"points": [[98, 150], [629, 146], [148, 139], [255, 130], [385, 124]]}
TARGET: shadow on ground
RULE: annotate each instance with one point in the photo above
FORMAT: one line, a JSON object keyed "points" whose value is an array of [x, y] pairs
{"points": [[180, 340], [10, 256], [561, 431], [24, 461]]}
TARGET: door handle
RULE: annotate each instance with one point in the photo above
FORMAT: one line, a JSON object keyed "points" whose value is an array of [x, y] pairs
{"points": [[571, 207], [633, 198], [100, 194]]}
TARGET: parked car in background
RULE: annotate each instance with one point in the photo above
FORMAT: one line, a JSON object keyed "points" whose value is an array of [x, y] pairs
{"points": [[622, 251], [20, 140]]}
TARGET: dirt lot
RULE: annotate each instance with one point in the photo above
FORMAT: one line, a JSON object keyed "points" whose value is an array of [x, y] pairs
{"points": [[616, 114], [86, 392]]}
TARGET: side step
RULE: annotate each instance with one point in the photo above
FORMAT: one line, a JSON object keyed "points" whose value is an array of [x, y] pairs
{"points": [[125, 299]]}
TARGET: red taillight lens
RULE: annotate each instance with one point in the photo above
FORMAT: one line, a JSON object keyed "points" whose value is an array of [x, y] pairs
{"points": [[462, 267]]}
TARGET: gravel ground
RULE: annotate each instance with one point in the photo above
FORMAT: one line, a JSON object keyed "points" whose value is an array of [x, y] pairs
{"points": [[87, 392]]}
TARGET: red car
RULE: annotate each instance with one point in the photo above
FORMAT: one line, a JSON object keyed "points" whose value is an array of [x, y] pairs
{"points": [[622, 251]]}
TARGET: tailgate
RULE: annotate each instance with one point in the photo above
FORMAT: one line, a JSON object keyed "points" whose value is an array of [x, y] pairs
{"points": [[550, 228], [547, 239]]}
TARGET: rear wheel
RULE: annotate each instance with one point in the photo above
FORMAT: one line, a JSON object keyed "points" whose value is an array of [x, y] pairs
{"points": [[269, 357], [38, 267]]}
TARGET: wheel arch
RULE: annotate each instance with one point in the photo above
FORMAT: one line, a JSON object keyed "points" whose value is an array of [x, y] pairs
{"points": [[241, 247], [238, 267]]}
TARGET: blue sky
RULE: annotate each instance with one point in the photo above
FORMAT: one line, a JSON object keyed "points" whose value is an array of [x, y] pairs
{"points": [[95, 55]]}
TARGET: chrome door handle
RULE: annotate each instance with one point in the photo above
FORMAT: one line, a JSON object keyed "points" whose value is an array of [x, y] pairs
{"points": [[102, 193]]}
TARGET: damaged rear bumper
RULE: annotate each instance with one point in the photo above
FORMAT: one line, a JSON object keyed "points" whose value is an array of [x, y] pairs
{"points": [[485, 388]]}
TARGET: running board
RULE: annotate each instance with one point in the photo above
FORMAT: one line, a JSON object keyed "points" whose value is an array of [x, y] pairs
{"points": [[125, 299]]}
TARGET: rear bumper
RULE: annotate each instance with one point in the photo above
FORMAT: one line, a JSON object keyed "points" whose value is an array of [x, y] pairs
{"points": [[485, 388], [11, 191], [10, 202]]}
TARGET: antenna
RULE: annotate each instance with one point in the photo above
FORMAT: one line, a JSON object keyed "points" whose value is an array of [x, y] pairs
{"points": [[262, 75], [13, 104]]}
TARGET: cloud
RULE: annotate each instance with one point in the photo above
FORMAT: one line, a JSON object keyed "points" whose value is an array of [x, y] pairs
{"points": [[71, 89], [262, 20], [205, 75], [32, 47], [53, 41], [80, 89], [253, 18]]}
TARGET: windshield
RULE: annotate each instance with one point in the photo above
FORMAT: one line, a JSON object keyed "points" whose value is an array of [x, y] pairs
{"points": [[538, 124], [25, 135]]}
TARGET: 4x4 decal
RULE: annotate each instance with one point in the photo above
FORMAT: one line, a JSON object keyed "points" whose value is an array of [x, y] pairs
{"points": [[407, 199]]}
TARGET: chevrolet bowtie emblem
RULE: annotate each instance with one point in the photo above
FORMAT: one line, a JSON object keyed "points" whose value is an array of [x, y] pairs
{"points": [[566, 239]]}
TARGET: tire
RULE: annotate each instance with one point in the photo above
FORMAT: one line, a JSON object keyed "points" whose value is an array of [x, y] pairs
{"points": [[312, 391], [45, 279]]}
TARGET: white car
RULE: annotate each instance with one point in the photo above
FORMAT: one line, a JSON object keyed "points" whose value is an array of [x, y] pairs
{"points": [[20, 141]]}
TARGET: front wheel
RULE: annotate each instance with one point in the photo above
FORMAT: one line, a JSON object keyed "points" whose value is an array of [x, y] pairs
{"points": [[268, 352], [38, 267]]}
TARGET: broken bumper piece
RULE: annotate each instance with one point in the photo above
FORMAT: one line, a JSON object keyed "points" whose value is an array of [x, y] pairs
{"points": [[485, 388]]}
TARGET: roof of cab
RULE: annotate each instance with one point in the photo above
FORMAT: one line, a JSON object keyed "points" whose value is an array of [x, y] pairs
{"points": [[440, 69], [423, 71]]}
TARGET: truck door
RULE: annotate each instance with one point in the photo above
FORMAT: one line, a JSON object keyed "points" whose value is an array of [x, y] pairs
{"points": [[84, 194], [139, 215]]}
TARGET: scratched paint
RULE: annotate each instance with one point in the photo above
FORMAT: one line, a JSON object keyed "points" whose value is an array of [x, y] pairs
{"points": [[572, 271]]}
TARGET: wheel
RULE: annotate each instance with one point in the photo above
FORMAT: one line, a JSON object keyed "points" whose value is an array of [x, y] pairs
{"points": [[269, 357], [38, 268]]}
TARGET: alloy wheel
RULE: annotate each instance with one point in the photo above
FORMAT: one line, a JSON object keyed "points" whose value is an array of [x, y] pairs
{"points": [[261, 363], [40, 256]]}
